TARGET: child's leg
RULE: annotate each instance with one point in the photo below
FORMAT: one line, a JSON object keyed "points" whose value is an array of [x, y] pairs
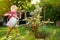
{"points": [[15, 31], [8, 32]]}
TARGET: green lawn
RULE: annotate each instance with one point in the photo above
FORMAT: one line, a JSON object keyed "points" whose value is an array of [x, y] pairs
{"points": [[25, 34]]}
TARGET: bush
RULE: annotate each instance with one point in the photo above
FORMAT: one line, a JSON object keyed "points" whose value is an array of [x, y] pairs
{"points": [[43, 31]]}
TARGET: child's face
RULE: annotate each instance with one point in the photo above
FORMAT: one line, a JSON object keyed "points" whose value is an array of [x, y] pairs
{"points": [[13, 8]]}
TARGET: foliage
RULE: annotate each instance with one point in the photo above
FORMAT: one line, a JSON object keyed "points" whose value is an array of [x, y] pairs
{"points": [[52, 8], [26, 5], [4, 6], [43, 30], [50, 31], [36, 17]]}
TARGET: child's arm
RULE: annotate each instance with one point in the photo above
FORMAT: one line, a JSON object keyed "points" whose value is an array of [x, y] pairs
{"points": [[7, 14], [15, 16]]}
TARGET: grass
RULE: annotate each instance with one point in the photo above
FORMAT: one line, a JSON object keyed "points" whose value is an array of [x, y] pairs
{"points": [[53, 32], [25, 34]]}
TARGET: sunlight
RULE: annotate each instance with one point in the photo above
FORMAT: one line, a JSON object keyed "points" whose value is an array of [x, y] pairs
{"points": [[35, 1]]}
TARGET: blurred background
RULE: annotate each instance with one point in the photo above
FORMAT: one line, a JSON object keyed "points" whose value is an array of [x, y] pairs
{"points": [[50, 10]]}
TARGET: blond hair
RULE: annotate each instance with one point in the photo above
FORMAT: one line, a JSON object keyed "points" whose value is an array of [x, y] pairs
{"points": [[13, 7]]}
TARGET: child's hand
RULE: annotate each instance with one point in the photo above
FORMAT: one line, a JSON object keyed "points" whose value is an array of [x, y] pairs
{"points": [[15, 17]]}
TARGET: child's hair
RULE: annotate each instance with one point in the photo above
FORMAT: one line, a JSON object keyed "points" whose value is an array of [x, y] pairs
{"points": [[13, 7]]}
